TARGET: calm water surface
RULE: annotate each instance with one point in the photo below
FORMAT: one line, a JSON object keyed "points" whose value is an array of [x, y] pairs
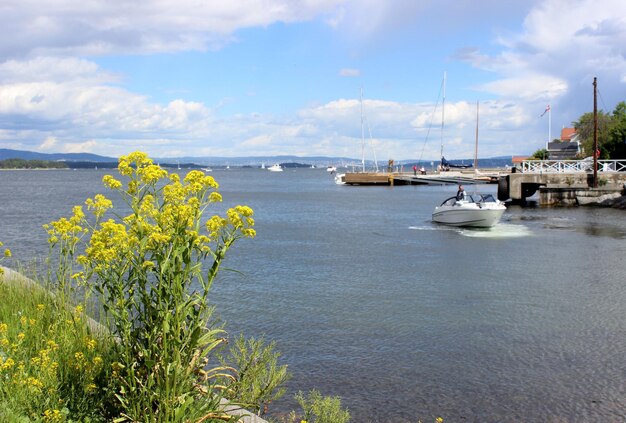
{"points": [[405, 320]]}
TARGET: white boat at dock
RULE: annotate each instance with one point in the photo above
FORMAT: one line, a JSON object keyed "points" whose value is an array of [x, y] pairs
{"points": [[473, 210]]}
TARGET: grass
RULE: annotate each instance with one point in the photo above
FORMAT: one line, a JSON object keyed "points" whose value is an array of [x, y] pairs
{"points": [[52, 367]]}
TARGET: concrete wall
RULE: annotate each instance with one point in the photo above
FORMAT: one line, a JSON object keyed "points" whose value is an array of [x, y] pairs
{"points": [[518, 186]]}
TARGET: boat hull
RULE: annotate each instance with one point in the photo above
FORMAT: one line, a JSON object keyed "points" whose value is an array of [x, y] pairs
{"points": [[477, 218]]}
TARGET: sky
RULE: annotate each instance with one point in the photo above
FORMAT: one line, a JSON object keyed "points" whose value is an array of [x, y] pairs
{"points": [[348, 78]]}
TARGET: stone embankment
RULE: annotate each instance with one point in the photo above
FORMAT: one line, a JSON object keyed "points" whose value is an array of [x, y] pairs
{"points": [[615, 202]]}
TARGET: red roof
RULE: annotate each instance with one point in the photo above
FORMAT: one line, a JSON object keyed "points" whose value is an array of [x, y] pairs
{"points": [[519, 159], [567, 134]]}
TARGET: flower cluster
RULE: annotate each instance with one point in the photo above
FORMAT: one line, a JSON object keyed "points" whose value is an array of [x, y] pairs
{"points": [[5, 254], [165, 214]]}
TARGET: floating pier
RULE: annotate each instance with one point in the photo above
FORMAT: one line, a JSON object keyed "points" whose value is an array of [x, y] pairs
{"points": [[408, 178]]}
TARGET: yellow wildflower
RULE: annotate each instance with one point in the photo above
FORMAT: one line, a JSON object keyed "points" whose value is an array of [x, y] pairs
{"points": [[111, 182], [99, 204], [90, 344], [52, 415], [151, 173], [8, 363], [215, 197], [248, 233], [40, 307], [7, 253], [4, 327], [33, 382]]}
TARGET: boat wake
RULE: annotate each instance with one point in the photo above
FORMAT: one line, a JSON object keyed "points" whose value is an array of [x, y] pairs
{"points": [[501, 230], [427, 228]]}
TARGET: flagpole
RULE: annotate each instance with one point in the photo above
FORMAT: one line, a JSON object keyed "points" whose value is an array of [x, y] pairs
{"points": [[549, 126]]}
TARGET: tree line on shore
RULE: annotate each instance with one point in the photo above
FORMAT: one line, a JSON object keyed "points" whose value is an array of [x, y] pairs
{"points": [[31, 164]]}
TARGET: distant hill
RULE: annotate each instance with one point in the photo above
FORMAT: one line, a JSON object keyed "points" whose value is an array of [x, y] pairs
{"points": [[88, 160], [6, 153]]}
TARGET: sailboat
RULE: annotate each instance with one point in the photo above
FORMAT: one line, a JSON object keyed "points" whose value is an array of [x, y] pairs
{"points": [[445, 165]]}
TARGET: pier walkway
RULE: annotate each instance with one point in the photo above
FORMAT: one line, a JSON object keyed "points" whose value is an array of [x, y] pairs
{"points": [[466, 176]]}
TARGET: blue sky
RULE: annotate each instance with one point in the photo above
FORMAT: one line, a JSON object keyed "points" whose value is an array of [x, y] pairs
{"points": [[269, 77]]}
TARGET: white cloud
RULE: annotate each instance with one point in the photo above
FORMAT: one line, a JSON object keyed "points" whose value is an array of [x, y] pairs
{"points": [[49, 144], [74, 27], [562, 45], [349, 72], [81, 147], [528, 87]]}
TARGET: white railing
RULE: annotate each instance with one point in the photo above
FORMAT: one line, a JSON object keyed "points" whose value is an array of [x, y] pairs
{"points": [[571, 166]]}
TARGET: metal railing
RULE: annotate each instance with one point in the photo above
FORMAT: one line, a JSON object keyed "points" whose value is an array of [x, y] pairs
{"points": [[571, 166]]}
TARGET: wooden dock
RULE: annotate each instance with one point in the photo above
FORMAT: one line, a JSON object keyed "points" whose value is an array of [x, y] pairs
{"points": [[408, 178]]}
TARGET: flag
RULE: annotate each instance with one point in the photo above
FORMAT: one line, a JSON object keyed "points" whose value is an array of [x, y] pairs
{"points": [[545, 111]]}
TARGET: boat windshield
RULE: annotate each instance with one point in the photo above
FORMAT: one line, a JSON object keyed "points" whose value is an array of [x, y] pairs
{"points": [[471, 198], [481, 198], [449, 202]]}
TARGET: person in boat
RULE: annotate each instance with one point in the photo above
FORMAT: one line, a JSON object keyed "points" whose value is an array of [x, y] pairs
{"points": [[460, 194]]}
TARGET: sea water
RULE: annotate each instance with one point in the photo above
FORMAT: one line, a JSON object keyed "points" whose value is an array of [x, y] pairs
{"points": [[404, 319]]}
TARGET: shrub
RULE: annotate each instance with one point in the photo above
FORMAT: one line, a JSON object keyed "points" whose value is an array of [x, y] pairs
{"points": [[318, 409], [256, 379]]}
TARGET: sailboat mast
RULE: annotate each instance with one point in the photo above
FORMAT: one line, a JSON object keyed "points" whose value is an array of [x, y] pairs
{"points": [[362, 135], [595, 132], [476, 145], [443, 110]]}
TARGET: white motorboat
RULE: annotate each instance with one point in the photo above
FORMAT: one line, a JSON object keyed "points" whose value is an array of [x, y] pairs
{"points": [[331, 169], [340, 178], [474, 210], [275, 168]]}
